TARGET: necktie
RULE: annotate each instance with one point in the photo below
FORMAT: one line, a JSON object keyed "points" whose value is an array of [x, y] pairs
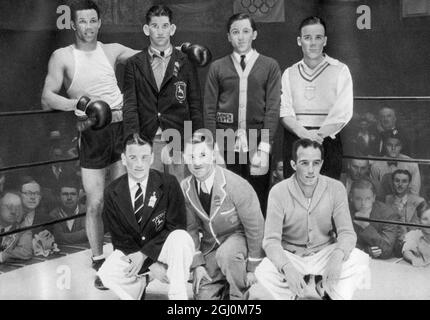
{"points": [[138, 204], [242, 62], [162, 53]]}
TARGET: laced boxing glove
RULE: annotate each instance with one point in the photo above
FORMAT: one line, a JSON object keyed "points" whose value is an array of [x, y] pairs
{"points": [[92, 114], [198, 54]]}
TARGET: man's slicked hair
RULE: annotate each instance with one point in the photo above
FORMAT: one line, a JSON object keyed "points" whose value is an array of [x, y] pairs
{"points": [[363, 184], [78, 5], [158, 11], [138, 140], [306, 143], [402, 171], [311, 21], [241, 16]]}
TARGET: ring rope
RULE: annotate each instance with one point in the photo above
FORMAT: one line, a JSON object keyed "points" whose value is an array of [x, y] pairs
{"points": [[37, 164]]}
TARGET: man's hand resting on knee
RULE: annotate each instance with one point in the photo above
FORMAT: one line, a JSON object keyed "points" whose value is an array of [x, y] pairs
{"points": [[294, 279], [158, 271], [136, 260], [198, 275]]}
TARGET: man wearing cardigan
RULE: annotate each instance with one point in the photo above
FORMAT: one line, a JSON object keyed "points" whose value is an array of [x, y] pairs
{"points": [[243, 93], [224, 208], [309, 232]]}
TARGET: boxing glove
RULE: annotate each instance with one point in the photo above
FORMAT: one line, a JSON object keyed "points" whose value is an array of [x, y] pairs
{"points": [[95, 115], [199, 55]]}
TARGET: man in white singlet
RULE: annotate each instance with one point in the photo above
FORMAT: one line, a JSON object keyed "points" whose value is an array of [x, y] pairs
{"points": [[87, 68]]}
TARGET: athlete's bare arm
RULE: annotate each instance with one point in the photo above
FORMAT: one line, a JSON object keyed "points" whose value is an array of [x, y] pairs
{"points": [[123, 52], [53, 83]]}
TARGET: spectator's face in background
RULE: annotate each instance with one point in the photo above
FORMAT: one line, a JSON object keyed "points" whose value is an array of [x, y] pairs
{"points": [[138, 160], [425, 219], [401, 184], [393, 147], [86, 25], [10, 209], [30, 195], [159, 30], [387, 118], [362, 199], [312, 40], [200, 160], [241, 36], [308, 165], [69, 198], [280, 170], [358, 169]]}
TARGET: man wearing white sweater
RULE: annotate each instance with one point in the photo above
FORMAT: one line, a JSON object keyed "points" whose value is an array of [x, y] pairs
{"points": [[309, 232]]}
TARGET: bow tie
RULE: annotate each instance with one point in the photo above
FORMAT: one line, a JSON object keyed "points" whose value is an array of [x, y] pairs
{"points": [[392, 163]]}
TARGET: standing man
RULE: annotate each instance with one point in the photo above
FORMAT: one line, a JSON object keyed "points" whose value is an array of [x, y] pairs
{"points": [[87, 68], [387, 125], [317, 98], [145, 213], [309, 232], [161, 90], [225, 222], [243, 93]]}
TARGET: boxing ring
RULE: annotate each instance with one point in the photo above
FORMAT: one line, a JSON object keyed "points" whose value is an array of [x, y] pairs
{"points": [[67, 274]]}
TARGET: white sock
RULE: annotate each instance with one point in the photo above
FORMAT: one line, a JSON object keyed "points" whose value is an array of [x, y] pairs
{"points": [[100, 257]]}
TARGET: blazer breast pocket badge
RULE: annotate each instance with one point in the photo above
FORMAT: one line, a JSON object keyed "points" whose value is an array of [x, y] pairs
{"points": [[159, 220], [224, 117], [180, 91]]}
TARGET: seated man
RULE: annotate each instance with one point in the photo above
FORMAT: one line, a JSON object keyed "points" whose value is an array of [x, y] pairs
{"points": [[377, 239], [224, 207], [403, 202], [304, 213], [71, 231], [393, 149], [416, 245], [18, 245], [144, 212], [358, 169]]}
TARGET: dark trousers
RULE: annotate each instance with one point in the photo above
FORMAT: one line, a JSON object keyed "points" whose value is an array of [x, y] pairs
{"points": [[260, 184], [333, 153]]}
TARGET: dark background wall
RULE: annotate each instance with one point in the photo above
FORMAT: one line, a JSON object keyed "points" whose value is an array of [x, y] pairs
{"points": [[389, 59]]}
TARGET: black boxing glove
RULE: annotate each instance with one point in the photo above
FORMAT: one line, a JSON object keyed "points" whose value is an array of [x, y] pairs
{"points": [[95, 115], [199, 55]]}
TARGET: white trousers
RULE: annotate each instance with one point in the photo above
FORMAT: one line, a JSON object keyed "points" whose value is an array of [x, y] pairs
{"points": [[177, 253], [355, 274]]}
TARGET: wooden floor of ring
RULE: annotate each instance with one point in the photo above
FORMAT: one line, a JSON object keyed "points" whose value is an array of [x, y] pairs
{"points": [[391, 279]]}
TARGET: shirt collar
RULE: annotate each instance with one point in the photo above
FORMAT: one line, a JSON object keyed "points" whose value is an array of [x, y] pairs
{"points": [[326, 59], [247, 56], [403, 199], [209, 182], [154, 52], [132, 183]]}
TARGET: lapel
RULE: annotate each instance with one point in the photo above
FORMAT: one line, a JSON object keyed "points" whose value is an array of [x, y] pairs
{"points": [[218, 191], [144, 65], [193, 198], [176, 57], [123, 200], [153, 194], [297, 193]]}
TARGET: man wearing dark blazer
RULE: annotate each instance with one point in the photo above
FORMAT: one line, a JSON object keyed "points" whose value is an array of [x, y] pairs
{"points": [[144, 212], [161, 90]]}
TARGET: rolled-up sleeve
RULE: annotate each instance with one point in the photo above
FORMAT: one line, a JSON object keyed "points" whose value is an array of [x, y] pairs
{"points": [[342, 109]]}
